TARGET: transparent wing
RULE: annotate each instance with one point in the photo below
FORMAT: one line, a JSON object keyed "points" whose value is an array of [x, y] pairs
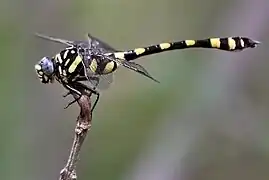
{"points": [[50, 38], [133, 66], [101, 82], [92, 42], [97, 43], [139, 69]]}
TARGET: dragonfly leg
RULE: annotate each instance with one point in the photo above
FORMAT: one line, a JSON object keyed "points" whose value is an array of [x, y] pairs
{"points": [[95, 102], [71, 102], [74, 91], [67, 94], [72, 87], [92, 91]]}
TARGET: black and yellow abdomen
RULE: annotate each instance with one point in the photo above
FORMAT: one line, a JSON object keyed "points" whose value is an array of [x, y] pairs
{"points": [[227, 44], [104, 66]]}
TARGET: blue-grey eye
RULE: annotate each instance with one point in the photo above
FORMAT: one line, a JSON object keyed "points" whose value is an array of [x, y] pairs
{"points": [[45, 69], [46, 65]]}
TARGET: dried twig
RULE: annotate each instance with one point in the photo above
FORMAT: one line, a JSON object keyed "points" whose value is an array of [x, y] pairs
{"points": [[83, 125]]}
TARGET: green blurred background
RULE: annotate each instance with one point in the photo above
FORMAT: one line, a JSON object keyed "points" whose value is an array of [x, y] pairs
{"points": [[207, 120]]}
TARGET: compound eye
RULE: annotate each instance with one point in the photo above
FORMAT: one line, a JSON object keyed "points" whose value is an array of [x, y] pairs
{"points": [[45, 69], [46, 65]]}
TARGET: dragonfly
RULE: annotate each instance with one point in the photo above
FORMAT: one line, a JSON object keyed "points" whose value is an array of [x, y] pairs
{"points": [[89, 65]]}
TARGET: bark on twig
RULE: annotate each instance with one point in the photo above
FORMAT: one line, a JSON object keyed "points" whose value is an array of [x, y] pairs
{"points": [[83, 125]]}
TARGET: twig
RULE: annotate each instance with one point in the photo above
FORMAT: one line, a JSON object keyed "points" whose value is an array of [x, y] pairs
{"points": [[83, 125]]}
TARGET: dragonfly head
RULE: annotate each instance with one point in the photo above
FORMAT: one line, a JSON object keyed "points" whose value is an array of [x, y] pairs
{"points": [[45, 70]]}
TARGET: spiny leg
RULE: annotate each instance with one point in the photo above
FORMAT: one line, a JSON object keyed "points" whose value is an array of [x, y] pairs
{"points": [[96, 101], [71, 102], [72, 90], [66, 94], [81, 86], [94, 91]]}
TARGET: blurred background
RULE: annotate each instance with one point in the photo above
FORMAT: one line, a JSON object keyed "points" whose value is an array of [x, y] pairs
{"points": [[207, 120]]}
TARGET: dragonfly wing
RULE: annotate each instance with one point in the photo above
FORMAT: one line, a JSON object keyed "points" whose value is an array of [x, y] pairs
{"points": [[137, 68], [131, 65], [97, 43], [98, 82], [58, 40], [141, 70], [101, 82]]}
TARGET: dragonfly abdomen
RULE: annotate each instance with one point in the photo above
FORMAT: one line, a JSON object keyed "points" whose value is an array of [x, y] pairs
{"points": [[227, 44], [102, 67]]}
